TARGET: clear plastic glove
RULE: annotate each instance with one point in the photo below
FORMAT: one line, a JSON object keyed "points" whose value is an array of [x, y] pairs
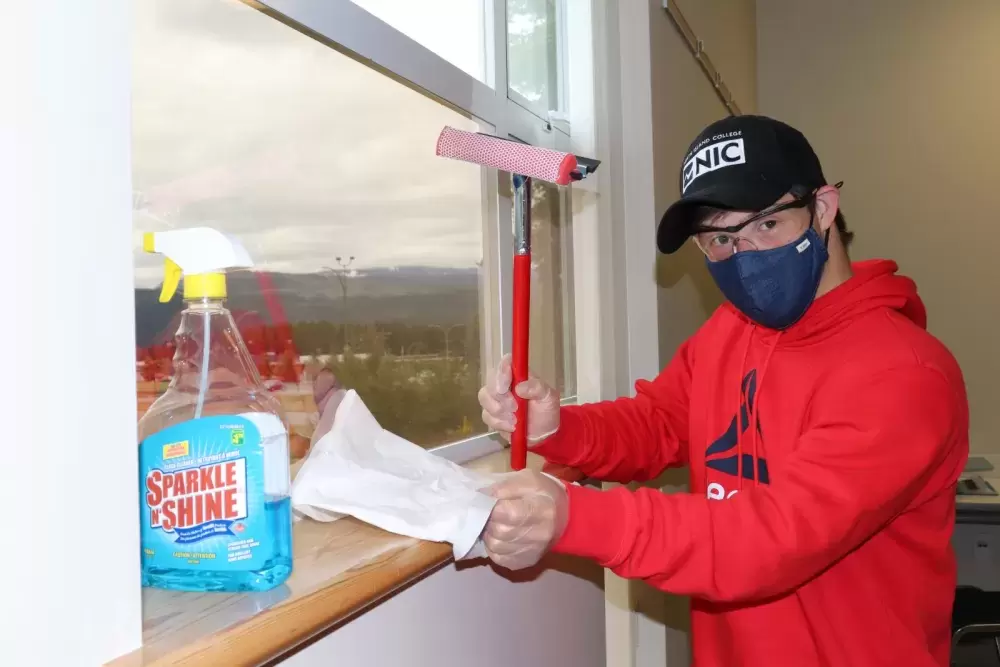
{"points": [[529, 517], [499, 404]]}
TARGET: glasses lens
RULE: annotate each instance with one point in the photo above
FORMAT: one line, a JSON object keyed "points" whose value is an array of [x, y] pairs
{"points": [[768, 229], [775, 231], [717, 245]]}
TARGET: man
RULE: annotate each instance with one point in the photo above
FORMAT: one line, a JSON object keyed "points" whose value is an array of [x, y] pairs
{"points": [[824, 428]]}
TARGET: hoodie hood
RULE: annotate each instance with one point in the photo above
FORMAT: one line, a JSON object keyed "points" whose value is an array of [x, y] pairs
{"points": [[875, 284]]}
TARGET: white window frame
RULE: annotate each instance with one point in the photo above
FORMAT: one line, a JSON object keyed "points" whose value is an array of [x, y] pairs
{"points": [[347, 27], [557, 116]]}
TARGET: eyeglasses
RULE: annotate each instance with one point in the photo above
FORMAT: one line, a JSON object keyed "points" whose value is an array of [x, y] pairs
{"points": [[766, 230]]}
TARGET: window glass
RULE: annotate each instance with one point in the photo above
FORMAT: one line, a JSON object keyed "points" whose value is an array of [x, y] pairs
{"points": [[453, 29], [533, 52], [367, 246], [553, 351], [552, 344]]}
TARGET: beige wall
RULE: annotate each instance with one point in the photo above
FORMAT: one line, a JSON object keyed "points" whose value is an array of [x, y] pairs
{"points": [[899, 98], [684, 102]]}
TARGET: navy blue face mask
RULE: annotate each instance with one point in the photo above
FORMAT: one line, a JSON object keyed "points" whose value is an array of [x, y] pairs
{"points": [[773, 287]]}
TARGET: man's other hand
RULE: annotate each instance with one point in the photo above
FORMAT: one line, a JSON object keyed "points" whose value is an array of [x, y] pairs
{"points": [[529, 517], [499, 404]]}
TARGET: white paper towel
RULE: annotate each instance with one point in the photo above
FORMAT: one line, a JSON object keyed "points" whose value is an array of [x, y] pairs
{"points": [[360, 469]]}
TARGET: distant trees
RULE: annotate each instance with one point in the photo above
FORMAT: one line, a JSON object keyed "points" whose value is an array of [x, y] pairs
{"points": [[420, 381], [323, 337], [428, 402]]}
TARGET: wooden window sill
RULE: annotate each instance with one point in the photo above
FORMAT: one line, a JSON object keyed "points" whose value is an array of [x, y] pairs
{"points": [[340, 569]]}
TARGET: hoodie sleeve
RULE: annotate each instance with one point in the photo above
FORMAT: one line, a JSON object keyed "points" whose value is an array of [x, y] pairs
{"points": [[872, 452], [628, 439]]}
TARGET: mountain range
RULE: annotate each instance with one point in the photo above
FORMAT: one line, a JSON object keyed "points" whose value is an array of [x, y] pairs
{"points": [[409, 295]]}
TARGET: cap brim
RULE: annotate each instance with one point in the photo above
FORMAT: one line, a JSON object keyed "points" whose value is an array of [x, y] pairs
{"points": [[676, 225], [678, 222]]}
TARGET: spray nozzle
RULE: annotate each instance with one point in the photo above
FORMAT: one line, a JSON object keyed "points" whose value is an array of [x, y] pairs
{"points": [[201, 255]]}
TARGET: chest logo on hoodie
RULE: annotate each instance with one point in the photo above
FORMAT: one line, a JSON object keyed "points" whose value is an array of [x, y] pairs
{"points": [[723, 454]]}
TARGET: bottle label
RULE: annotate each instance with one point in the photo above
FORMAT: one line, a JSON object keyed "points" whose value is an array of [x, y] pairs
{"points": [[203, 500]]}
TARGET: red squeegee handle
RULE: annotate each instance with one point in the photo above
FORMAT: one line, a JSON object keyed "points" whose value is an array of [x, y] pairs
{"points": [[519, 357]]}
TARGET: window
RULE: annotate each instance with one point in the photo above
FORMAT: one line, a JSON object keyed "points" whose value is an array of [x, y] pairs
{"points": [[374, 258], [551, 348], [533, 53], [367, 246]]}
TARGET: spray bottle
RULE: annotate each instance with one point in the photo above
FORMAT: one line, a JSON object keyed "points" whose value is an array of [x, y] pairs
{"points": [[213, 449]]}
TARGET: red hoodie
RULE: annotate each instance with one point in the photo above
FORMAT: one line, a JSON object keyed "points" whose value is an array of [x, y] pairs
{"points": [[821, 535]]}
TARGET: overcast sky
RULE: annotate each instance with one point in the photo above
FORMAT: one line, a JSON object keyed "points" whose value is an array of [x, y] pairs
{"points": [[241, 123]]}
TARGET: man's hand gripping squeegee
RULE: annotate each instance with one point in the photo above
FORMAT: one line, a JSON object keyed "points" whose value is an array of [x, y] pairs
{"points": [[524, 162]]}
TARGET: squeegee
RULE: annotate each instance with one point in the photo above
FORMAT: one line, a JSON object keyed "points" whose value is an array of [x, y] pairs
{"points": [[524, 162]]}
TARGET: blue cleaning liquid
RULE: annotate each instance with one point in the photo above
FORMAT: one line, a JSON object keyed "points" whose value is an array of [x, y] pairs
{"points": [[274, 571], [210, 519]]}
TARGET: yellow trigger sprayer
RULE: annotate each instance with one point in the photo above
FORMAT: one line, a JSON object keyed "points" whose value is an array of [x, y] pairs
{"points": [[213, 449], [200, 256]]}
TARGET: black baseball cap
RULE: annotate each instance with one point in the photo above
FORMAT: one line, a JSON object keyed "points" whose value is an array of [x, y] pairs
{"points": [[739, 163]]}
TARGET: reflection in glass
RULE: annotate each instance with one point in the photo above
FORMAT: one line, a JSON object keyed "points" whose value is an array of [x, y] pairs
{"points": [[532, 52], [367, 246]]}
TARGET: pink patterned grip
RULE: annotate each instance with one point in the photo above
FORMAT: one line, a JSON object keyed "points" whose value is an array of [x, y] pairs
{"points": [[517, 158]]}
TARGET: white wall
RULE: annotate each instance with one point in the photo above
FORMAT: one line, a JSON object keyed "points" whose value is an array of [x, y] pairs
{"points": [[68, 481], [899, 99], [472, 616]]}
